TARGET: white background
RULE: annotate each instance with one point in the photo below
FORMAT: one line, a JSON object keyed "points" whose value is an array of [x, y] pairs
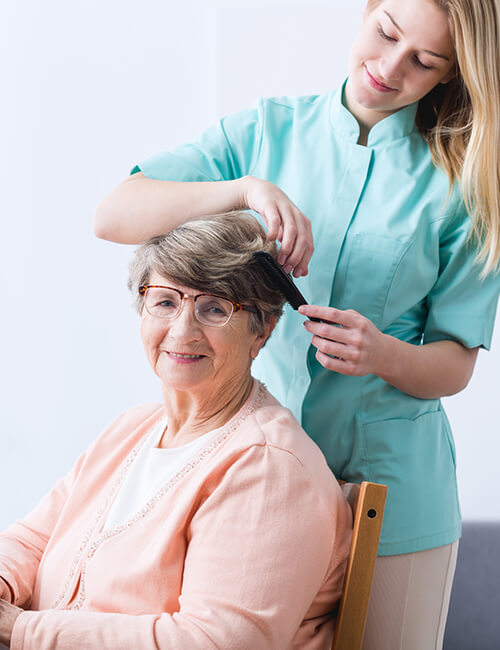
{"points": [[88, 89]]}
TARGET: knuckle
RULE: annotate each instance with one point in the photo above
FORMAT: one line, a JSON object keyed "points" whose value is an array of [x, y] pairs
{"points": [[321, 344], [271, 218], [325, 331], [356, 357], [350, 368], [300, 239], [357, 341], [326, 361]]}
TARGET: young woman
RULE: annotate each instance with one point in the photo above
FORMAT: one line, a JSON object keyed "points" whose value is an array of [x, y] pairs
{"points": [[398, 172]]}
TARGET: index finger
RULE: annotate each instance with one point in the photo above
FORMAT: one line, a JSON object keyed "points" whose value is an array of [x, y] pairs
{"points": [[272, 219], [329, 314], [298, 244]]}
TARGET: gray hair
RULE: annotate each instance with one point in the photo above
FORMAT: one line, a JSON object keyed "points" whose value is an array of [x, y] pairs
{"points": [[213, 254]]}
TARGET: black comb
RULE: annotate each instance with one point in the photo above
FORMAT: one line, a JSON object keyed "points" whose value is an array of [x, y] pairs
{"points": [[281, 280]]}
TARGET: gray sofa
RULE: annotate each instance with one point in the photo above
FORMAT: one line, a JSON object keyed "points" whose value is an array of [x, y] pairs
{"points": [[474, 615]]}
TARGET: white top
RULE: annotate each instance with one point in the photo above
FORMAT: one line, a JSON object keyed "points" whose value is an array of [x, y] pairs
{"points": [[152, 468]]}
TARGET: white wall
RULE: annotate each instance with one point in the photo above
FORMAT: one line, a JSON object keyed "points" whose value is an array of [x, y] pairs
{"points": [[88, 89]]}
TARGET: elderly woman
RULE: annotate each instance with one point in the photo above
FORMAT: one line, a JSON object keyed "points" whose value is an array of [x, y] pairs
{"points": [[208, 521]]}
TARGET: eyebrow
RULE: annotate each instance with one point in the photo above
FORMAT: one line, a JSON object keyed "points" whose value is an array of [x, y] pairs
{"points": [[439, 56]]}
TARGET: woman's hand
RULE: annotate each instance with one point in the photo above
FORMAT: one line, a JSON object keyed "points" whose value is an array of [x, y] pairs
{"points": [[348, 343], [140, 208], [284, 221], [357, 347], [8, 616]]}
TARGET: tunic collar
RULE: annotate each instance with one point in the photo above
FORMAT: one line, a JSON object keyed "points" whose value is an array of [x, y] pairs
{"points": [[395, 126]]}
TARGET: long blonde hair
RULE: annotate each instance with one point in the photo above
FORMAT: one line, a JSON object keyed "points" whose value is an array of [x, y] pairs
{"points": [[461, 120]]}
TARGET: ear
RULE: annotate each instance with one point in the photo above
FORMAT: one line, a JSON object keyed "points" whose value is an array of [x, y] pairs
{"points": [[261, 339]]}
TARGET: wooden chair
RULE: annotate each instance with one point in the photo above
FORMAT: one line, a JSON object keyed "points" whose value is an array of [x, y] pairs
{"points": [[367, 502]]}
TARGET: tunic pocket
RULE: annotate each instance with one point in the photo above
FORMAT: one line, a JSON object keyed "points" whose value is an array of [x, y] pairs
{"points": [[416, 460], [372, 261]]}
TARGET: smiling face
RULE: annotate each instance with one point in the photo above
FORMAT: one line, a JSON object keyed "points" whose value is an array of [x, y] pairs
{"points": [[403, 49], [200, 359]]}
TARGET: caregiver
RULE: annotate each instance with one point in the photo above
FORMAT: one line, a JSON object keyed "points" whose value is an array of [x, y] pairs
{"points": [[398, 172]]}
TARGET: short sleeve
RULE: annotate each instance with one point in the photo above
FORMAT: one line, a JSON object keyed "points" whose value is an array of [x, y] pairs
{"points": [[462, 305], [228, 150]]}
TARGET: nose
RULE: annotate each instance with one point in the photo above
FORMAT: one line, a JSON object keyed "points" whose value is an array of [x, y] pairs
{"points": [[185, 326], [391, 66]]}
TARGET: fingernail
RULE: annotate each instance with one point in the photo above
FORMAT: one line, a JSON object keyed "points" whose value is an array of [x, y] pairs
{"points": [[287, 268], [281, 259], [298, 273]]}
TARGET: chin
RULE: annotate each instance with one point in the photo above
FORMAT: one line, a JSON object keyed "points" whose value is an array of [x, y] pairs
{"points": [[367, 99], [180, 381], [361, 93], [370, 100], [179, 385]]}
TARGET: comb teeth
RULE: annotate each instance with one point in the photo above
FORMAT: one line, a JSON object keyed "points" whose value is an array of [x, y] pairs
{"points": [[280, 279]]}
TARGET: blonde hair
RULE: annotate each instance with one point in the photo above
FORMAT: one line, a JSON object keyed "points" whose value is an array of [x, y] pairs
{"points": [[461, 119], [213, 254]]}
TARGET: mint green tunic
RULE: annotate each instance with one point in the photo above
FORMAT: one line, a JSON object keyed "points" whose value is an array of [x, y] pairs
{"points": [[387, 244]]}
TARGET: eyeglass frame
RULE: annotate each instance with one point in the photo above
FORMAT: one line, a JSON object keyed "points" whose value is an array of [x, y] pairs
{"points": [[237, 306]]}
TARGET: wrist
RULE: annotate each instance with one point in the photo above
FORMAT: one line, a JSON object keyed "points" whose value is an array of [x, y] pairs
{"points": [[241, 187], [387, 357], [8, 617]]}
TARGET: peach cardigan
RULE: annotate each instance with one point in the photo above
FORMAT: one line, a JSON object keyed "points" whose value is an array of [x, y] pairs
{"points": [[243, 549]]}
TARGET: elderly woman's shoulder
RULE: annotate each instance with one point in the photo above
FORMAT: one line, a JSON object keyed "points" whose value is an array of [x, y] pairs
{"points": [[279, 427], [275, 427], [140, 412], [131, 425], [136, 415]]}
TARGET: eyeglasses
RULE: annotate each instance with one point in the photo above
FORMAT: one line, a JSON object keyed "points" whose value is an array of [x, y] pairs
{"points": [[166, 302]]}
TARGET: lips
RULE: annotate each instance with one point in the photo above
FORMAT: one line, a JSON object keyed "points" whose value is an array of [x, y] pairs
{"points": [[178, 355], [378, 85], [183, 358]]}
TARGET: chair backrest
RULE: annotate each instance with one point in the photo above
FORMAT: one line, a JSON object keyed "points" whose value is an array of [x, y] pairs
{"points": [[367, 502]]}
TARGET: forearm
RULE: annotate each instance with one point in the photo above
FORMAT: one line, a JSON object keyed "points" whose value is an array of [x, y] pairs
{"points": [[140, 208], [21, 549], [67, 630], [428, 371], [23, 543]]}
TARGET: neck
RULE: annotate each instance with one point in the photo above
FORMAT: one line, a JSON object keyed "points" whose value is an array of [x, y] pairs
{"points": [[190, 414]]}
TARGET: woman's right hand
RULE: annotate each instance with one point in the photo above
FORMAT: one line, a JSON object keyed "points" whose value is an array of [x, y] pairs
{"points": [[140, 208], [284, 221]]}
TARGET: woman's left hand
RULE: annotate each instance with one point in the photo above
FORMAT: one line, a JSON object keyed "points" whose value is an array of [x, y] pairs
{"points": [[8, 616], [348, 343]]}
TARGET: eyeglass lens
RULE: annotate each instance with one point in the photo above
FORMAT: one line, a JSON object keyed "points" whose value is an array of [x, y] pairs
{"points": [[209, 310]]}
